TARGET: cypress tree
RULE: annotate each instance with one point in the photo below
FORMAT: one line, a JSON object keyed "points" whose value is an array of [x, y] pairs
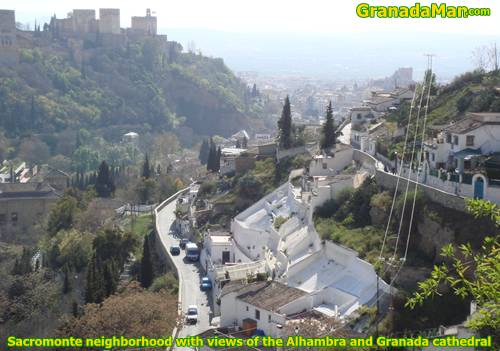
{"points": [[95, 282], [110, 276], [212, 156], [285, 126], [146, 276], [204, 151], [328, 132], [146, 168], [104, 182]]}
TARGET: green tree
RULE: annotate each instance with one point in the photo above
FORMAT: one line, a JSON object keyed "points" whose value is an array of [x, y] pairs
{"points": [[62, 214], [328, 133], [285, 126], [470, 274], [104, 185], [146, 276]]}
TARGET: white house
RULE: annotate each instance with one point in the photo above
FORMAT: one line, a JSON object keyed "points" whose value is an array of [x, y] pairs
{"points": [[477, 134], [361, 114], [323, 165], [264, 304]]}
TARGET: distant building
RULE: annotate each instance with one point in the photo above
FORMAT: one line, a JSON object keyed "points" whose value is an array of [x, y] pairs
{"points": [[23, 206], [109, 21], [56, 178], [130, 137], [145, 25], [9, 51]]}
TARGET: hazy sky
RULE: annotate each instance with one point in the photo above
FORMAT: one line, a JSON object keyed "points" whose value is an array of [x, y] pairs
{"points": [[325, 16]]}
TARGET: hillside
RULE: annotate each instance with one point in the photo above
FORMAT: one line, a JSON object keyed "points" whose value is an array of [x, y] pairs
{"points": [[150, 85], [470, 92]]}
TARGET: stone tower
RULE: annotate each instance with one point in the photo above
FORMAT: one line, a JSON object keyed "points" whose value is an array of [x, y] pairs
{"points": [[109, 21], [145, 25], [9, 52]]}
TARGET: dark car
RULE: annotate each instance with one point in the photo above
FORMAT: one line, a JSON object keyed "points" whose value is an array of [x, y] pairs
{"points": [[206, 284], [175, 250], [183, 243]]}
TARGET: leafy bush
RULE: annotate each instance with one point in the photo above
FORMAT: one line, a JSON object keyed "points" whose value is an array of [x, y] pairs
{"points": [[207, 189], [165, 282]]}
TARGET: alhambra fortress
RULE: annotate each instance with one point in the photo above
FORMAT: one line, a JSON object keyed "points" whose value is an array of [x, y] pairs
{"points": [[80, 31]]}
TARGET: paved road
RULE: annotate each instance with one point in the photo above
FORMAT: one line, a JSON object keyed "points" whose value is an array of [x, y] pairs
{"points": [[189, 276]]}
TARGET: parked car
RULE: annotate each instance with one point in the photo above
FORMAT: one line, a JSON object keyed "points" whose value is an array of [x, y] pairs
{"points": [[175, 250], [192, 252], [206, 284], [192, 314], [183, 243]]}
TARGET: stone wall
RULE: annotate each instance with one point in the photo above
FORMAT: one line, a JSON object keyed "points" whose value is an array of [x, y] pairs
{"points": [[445, 199], [389, 181]]}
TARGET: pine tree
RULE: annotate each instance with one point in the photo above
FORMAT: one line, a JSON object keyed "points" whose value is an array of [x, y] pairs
{"points": [[204, 151], [285, 126], [146, 276], [328, 132], [104, 182], [212, 157], [146, 168]]}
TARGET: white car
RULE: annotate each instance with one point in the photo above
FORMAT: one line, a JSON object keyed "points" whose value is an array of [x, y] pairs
{"points": [[192, 314]]}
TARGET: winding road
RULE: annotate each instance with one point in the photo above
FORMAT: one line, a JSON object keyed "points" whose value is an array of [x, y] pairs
{"points": [[190, 275]]}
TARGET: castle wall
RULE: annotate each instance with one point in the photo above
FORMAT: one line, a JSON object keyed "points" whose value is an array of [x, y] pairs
{"points": [[9, 53], [83, 20]]}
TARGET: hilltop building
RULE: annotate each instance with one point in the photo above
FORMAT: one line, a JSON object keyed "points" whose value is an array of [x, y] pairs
{"points": [[9, 53], [23, 206], [80, 30], [146, 25]]}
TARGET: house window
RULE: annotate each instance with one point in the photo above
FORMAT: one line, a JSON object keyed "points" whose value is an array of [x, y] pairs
{"points": [[448, 138], [324, 165], [3, 219], [13, 218], [469, 140], [455, 139], [257, 315], [433, 157], [269, 318], [247, 308], [359, 116]]}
